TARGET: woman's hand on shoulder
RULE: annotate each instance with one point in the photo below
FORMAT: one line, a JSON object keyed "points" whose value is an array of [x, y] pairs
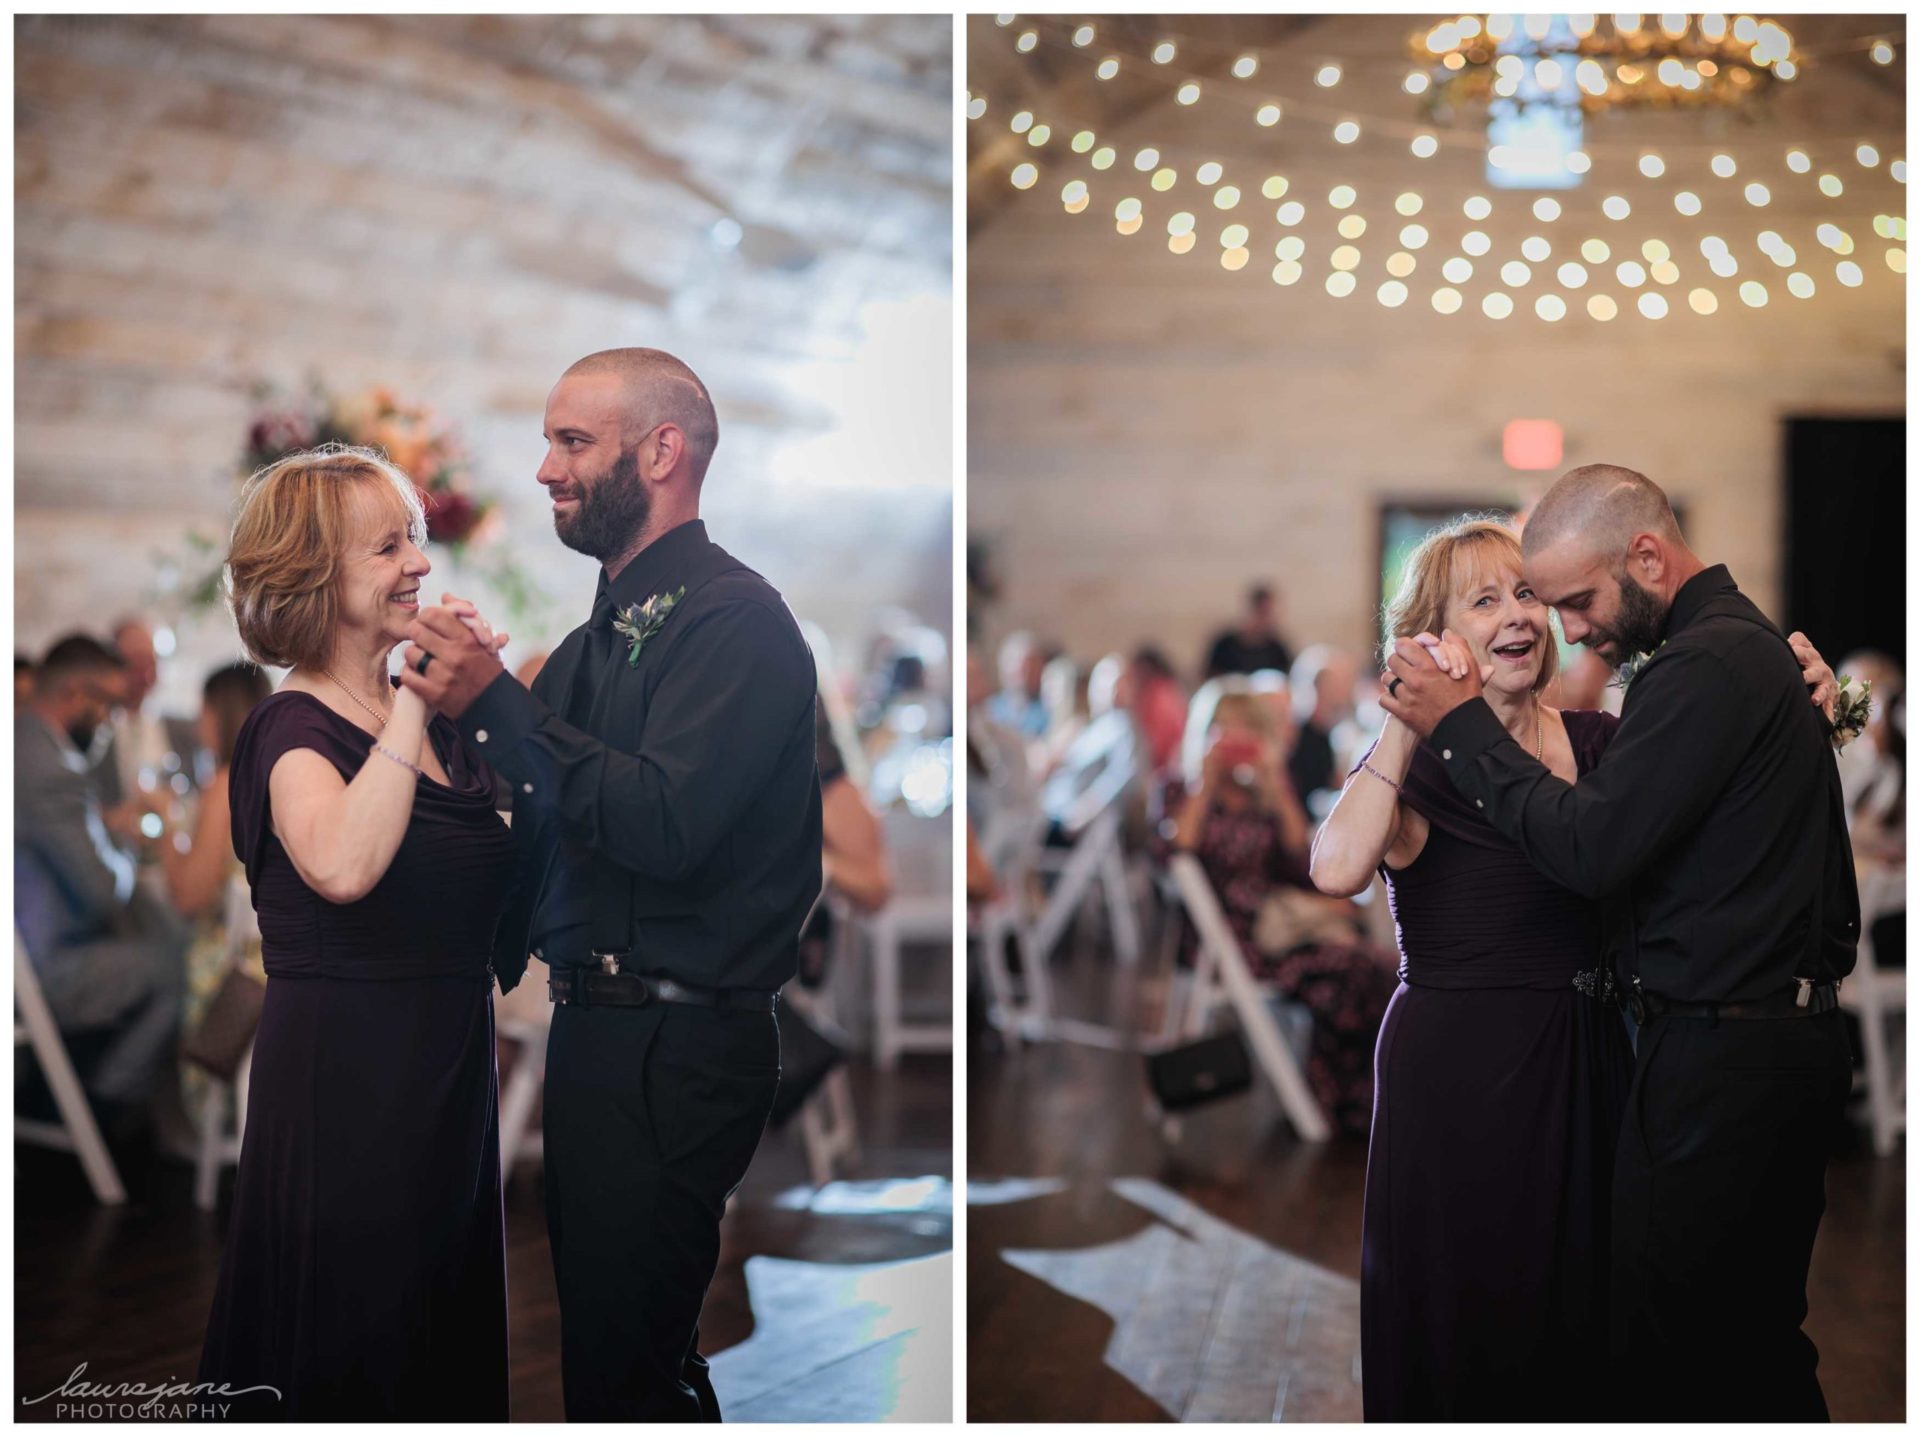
{"points": [[1816, 673]]}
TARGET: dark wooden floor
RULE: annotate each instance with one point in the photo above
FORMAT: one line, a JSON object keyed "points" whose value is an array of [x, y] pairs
{"points": [[845, 1294], [1116, 1275]]}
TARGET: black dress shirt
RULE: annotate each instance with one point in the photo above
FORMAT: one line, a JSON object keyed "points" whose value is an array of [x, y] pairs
{"points": [[1310, 765], [664, 804], [1712, 827], [1232, 653]]}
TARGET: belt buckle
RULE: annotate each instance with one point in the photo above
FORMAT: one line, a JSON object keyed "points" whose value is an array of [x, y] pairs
{"points": [[609, 963], [1637, 1002]]}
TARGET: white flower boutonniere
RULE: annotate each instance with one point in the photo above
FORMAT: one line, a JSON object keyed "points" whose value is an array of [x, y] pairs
{"points": [[640, 622], [1630, 670], [1851, 712]]}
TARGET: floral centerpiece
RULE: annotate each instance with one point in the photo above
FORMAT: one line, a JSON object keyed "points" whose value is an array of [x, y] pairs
{"points": [[422, 443]]}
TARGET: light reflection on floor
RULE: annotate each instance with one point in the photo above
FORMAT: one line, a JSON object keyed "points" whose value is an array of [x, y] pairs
{"points": [[997, 1192], [931, 1197], [1210, 1322], [843, 1342]]}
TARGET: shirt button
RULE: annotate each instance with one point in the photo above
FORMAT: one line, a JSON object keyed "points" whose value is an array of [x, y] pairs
{"points": [[1479, 803], [480, 736], [1446, 753], [526, 788]]}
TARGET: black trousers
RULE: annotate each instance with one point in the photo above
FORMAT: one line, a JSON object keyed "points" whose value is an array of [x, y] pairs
{"points": [[651, 1116], [1719, 1185]]}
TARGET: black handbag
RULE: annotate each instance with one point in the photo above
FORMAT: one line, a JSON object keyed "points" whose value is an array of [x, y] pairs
{"points": [[1200, 1072], [807, 1055]]}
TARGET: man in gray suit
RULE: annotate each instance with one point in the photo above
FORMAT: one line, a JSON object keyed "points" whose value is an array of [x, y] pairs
{"points": [[110, 959]]}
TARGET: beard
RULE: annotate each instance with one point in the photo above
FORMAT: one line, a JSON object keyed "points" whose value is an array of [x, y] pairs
{"points": [[1636, 628], [611, 512]]}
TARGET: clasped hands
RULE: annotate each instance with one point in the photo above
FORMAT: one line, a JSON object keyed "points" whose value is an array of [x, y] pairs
{"points": [[461, 651], [1427, 678]]}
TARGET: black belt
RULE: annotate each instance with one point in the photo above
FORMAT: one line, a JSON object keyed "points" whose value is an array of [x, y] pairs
{"points": [[1804, 1000], [593, 988]]}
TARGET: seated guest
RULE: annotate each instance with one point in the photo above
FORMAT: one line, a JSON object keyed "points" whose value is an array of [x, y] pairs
{"points": [[853, 851], [1252, 644], [1149, 691], [200, 865], [108, 957], [854, 848], [145, 749], [1587, 682], [1323, 688], [1103, 684], [1018, 705], [1063, 689], [1000, 775], [1236, 811]]}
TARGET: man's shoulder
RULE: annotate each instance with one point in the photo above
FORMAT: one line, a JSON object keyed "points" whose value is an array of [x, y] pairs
{"points": [[743, 602], [1733, 630], [34, 746]]}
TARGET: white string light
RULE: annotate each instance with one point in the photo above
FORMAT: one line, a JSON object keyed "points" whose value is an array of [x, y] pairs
{"points": [[1352, 224]]}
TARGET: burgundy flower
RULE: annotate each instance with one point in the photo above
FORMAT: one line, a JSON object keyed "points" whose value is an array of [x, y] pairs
{"points": [[452, 516], [279, 432]]}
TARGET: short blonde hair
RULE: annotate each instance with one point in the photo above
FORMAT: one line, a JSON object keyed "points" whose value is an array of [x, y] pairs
{"points": [[290, 534], [1232, 697], [1448, 564]]}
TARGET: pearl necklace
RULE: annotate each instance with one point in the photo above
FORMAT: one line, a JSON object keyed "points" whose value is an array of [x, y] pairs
{"points": [[373, 712]]}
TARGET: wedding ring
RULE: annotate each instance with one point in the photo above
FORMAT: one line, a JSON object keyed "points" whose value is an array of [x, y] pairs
{"points": [[1393, 686], [425, 659]]}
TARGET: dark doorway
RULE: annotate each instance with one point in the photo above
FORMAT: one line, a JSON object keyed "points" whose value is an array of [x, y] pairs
{"points": [[1846, 539]]}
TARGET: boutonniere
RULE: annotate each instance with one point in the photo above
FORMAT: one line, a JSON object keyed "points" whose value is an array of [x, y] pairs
{"points": [[640, 622], [1630, 670], [1851, 712]]}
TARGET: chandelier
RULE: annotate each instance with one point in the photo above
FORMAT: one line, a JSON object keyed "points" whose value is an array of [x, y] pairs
{"points": [[1594, 63]]}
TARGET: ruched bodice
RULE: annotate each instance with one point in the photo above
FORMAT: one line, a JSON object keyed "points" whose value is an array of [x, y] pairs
{"points": [[1470, 911], [431, 915]]}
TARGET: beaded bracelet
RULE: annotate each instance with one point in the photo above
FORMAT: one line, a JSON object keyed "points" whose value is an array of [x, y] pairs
{"points": [[1381, 776], [383, 749]]}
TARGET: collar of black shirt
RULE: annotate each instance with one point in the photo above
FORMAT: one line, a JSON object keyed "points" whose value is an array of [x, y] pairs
{"points": [[1694, 595], [657, 569]]}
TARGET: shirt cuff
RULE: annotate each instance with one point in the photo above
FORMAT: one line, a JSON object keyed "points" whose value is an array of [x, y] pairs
{"points": [[1466, 733], [504, 713]]}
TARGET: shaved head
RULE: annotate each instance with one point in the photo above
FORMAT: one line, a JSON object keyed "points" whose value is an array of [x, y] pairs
{"points": [[1602, 506], [1603, 551], [658, 389]]}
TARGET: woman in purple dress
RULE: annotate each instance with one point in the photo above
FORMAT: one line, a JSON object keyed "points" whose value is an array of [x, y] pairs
{"points": [[1503, 1065], [364, 1276]]}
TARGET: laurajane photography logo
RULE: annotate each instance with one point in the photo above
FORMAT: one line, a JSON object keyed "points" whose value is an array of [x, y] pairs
{"points": [[170, 1401]]}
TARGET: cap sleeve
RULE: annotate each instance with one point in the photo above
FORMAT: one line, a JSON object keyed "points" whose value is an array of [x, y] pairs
{"points": [[278, 724]]}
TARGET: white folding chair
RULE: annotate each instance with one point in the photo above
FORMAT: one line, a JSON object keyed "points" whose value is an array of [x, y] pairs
{"points": [[1011, 841], [828, 1130], [1221, 972], [219, 1141], [76, 1132], [907, 918], [1876, 994], [1088, 797], [523, 1018]]}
